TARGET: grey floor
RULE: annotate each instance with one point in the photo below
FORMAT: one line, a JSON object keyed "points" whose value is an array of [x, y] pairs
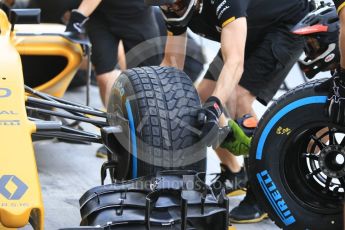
{"points": [[66, 171]]}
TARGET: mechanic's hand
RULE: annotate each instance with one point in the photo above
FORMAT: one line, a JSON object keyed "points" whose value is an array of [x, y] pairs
{"points": [[208, 116], [239, 138], [335, 104], [76, 22]]}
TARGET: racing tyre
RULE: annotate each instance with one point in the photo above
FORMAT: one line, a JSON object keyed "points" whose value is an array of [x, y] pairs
{"points": [[297, 162], [161, 106]]}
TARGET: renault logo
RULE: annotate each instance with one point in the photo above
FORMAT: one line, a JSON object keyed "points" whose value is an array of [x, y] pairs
{"points": [[4, 92], [11, 181]]}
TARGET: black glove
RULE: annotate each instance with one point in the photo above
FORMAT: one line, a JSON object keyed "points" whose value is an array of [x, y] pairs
{"points": [[335, 104], [76, 22], [208, 116]]}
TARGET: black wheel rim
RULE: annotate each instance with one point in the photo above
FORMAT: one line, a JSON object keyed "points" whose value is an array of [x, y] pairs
{"points": [[313, 161]]}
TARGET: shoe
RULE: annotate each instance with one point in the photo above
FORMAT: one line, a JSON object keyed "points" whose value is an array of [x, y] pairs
{"points": [[102, 152], [238, 143], [248, 211], [233, 183]]}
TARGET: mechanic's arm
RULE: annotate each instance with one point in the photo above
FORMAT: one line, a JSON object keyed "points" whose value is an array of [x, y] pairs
{"points": [[342, 38], [233, 39], [175, 51]]}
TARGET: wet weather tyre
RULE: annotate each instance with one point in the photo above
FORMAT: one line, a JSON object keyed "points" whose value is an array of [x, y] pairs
{"points": [[292, 166], [161, 106]]}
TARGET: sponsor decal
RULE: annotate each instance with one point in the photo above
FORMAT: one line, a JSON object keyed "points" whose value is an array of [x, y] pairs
{"points": [[12, 194], [8, 112], [222, 12], [219, 7], [9, 122], [275, 198], [216, 107], [5, 92], [329, 58]]}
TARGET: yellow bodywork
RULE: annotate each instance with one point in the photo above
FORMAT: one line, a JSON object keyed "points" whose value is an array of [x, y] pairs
{"points": [[30, 40], [20, 193]]}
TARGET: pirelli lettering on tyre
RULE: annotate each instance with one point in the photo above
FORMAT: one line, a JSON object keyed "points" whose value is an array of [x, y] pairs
{"points": [[275, 198]]}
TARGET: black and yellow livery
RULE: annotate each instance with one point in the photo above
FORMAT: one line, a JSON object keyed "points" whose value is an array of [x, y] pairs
{"points": [[25, 50], [260, 14], [49, 59], [15, 211], [340, 4]]}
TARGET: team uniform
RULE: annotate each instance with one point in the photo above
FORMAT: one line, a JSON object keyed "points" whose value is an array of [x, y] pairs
{"points": [[271, 50], [113, 20], [339, 4], [52, 11]]}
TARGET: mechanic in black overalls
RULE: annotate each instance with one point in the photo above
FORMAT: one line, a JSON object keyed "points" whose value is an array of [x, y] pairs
{"points": [[257, 50], [108, 22]]}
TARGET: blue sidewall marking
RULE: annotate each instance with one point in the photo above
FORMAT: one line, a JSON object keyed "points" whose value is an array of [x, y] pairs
{"points": [[134, 140], [267, 194], [283, 112], [286, 221]]}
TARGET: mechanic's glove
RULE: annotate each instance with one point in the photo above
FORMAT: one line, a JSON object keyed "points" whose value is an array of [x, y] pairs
{"points": [[238, 140], [76, 22], [335, 104], [208, 116]]}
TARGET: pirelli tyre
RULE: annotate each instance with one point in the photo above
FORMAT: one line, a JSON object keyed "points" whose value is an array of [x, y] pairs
{"points": [[161, 105], [297, 162]]}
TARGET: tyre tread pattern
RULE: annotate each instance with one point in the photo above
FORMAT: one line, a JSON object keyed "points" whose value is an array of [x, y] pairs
{"points": [[167, 103]]}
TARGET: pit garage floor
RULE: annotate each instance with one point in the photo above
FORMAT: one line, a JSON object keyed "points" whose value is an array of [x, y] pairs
{"points": [[66, 171]]}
